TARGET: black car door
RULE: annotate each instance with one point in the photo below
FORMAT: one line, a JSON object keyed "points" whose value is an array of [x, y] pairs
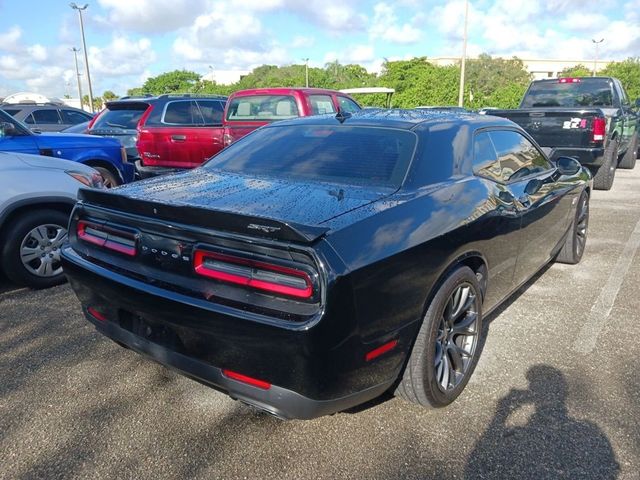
{"points": [[540, 200]]}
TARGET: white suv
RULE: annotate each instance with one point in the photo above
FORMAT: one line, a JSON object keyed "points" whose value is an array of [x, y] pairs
{"points": [[36, 197]]}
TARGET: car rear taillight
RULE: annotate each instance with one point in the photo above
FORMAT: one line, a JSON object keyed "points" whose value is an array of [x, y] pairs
{"points": [[108, 237], [569, 80], [598, 129], [254, 274], [254, 382], [227, 139]]}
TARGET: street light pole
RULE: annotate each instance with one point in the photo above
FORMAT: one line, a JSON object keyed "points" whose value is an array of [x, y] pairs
{"points": [[464, 55], [595, 61], [306, 72], [84, 46], [75, 55]]}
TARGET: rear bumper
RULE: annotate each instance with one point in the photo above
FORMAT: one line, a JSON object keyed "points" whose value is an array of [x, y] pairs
{"points": [[149, 172], [313, 369], [589, 157]]}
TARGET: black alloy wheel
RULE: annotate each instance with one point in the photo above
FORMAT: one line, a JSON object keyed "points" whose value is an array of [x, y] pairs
{"points": [[576, 241]]}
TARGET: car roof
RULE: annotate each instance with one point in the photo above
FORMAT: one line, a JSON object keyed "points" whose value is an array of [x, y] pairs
{"points": [[401, 118], [166, 96], [285, 91]]}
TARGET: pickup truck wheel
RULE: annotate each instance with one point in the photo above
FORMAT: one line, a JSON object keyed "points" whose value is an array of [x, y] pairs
{"points": [[603, 178], [448, 344], [573, 247], [108, 178], [31, 248], [629, 158]]}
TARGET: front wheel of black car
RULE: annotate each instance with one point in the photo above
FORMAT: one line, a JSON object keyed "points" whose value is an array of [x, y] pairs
{"points": [[448, 344], [30, 251], [573, 247], [603, 178], [629, 159]]}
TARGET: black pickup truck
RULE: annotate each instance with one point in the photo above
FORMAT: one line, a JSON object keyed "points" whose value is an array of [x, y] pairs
{"points": [[589, 118]]}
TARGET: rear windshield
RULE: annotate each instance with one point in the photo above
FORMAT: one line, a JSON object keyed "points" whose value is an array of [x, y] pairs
{"points": [[583, 93], [342, 154], [124, 116], [11, 111], [262, 108]]}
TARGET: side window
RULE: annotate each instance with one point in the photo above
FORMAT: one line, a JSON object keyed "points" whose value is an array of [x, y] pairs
{"points": [[73, 117], [623, 96], [348, 105], [212, 111], [321, 104], [29, 120], [182, 112], [518, 156], [46, 116], [485, 160]]}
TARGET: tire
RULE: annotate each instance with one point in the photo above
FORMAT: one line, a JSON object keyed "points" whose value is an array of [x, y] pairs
{"points": [[573, 248], [629, 159], [603, 178], [109, 179], [38, 234], [427, 381]]}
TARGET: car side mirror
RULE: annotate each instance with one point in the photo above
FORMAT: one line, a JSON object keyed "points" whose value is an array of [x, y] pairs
{"points": [[7, 129], [568, 166]]}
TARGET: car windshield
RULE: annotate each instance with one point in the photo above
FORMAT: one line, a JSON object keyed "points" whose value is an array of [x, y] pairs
{"points": [[262, 108], [124, 116], [20, 127], [569, 93], [342, 154]]}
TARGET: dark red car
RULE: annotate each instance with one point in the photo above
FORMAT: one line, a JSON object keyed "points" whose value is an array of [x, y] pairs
{"points": [[164, 134], [247, 110]]}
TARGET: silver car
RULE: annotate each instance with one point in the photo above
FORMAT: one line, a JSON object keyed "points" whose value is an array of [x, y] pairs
{"points": [[36, 197]]}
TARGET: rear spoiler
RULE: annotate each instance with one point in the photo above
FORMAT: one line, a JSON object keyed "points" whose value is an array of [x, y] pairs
{"points": [[206, 218]]}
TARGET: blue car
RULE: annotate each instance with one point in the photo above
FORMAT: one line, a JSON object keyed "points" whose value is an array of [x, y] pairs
{"points": [[106, 155]]}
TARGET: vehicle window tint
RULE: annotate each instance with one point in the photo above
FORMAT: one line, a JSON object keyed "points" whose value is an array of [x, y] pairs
{"points": [[73, 117], [342, 154], [29, 120], [183, 112], [262, 108], [321, 104], [348, 105], [485, 159], [582, 93], [121, 115], [11, 111], [518, 156], [212, 111], [46, 116], [21, 128]]}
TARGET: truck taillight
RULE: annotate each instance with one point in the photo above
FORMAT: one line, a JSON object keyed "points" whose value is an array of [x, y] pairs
{"points": [[106, 237], [254, 274], [598, 129]]}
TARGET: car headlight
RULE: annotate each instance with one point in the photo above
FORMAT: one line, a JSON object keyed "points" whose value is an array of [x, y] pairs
{"points": [[93, 180]]}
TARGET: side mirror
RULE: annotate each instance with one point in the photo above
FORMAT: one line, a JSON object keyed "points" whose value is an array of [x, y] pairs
{"points": [[7, 129], [568, 166]]}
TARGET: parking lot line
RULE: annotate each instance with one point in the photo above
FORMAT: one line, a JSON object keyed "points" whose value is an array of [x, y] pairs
{"points": [[588, 336]]}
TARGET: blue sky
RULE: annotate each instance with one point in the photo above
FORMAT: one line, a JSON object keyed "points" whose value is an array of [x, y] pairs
{"points": [[130, 40]]}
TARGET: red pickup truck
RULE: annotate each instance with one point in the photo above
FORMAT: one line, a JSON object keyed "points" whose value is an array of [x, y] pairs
{"points": [[247, 110]]}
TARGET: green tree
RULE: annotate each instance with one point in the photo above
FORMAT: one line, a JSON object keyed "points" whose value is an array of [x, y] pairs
{"points": [[495, 82], [628, 72], [108, 95], [177, 81], [579, 70], [97, 102]]}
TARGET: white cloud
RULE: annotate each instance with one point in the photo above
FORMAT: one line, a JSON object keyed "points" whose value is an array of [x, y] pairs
{"points": [[150, 16], [10, 40], [300, 41], [123, 56], [385, 26]]}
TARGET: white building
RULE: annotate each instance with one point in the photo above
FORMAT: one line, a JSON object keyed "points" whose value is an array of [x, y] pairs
{"points": [[539, 67], [225, 77]]}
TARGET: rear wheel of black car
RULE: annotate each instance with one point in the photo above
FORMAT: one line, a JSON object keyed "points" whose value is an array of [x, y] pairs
{"points": [[31, 248], [108, 178], [448, 344], [629, 159], [573, 247], [603, 178]]}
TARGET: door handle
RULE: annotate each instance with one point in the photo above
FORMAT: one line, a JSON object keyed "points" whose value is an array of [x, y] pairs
{"points": [[178, 138]]}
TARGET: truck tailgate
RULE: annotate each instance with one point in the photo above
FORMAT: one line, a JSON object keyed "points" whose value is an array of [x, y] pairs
{"points": [[555, 127]]}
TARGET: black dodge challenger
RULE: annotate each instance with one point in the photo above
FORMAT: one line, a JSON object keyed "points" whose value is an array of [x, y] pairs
{"points": [[319, 262]]}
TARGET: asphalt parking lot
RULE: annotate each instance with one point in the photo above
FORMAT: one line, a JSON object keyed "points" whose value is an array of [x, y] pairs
{"points": [[555, 395]]}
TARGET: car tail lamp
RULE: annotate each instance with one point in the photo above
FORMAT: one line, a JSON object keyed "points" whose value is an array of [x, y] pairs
{"points": [[108, 237], [569, 80], [598, 129], [96, 314], [254, 382], [254, 274], [384, 348]]}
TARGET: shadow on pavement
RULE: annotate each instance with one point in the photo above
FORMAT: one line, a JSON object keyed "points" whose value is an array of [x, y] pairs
{"points": [[549, 444]]}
